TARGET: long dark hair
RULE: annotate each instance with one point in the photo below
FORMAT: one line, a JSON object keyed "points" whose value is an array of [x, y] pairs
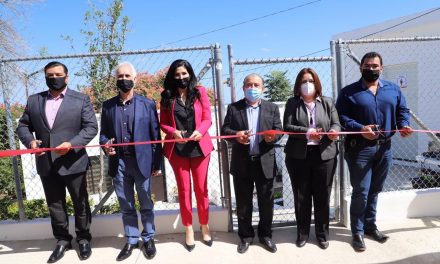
{"points": [[170, 90]]}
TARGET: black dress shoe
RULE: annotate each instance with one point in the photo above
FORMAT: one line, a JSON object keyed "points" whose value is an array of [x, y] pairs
{"points": [[300, 242], [243, 246], [377, 235], [189, 247], [323, 244], [58, 252], [149, 249], [207, 242], [85, 251], [126, 251], [268, 244], [358, 243]]}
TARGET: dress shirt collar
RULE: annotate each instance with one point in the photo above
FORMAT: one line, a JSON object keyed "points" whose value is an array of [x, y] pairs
{"points": [[379, 85], [61, 95], [251, 106], [121, 101], [317, 99]]}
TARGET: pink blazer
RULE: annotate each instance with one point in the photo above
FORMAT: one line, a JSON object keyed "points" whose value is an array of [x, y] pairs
{"points": [[202, 112]]}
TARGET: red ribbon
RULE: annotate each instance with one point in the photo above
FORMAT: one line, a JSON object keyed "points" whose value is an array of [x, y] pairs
{"points": [[10, 153]]}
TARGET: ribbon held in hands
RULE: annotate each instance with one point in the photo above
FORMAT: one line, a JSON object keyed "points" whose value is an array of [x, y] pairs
{"points": [[10, 153]]}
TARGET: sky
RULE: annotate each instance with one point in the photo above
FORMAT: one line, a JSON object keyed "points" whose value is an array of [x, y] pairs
{"points": [[306, 28]]}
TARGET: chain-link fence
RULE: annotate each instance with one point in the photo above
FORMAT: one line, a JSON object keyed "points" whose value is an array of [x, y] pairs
{"points": [[268, 69], [23, 77], [411, 63]]}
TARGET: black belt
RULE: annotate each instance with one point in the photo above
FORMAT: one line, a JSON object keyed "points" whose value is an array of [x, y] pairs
{"points": [[377, 141], [313, 148], [361, 142], [254, 157]]}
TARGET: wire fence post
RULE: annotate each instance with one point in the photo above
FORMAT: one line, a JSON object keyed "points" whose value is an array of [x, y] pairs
{"points": [[231, 81], [11, 141], [334, 80], [340, 73], [223, 147]]}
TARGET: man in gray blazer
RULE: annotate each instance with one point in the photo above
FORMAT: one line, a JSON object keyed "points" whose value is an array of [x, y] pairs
{"points": [[61, 118], [253, 160]]}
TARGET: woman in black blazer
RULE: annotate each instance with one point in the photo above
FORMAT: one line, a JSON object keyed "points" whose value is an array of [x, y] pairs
{"points": [[310, 156]]}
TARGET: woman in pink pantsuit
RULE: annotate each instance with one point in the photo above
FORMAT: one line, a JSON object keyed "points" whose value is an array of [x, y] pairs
{"points": [[185, 112]]}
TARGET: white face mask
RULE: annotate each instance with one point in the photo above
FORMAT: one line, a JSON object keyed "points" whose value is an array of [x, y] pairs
{"points": [[308, 89]]}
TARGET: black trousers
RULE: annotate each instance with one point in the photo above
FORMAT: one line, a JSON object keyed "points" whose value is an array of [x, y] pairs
{"points": [[55, 190], [244, 188], [312, 178]]}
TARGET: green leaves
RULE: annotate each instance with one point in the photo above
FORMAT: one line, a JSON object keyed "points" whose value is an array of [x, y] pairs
{"points": [[105, 31], [278, 87]]}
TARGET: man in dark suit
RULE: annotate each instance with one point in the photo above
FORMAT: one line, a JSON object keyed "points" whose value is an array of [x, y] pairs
{"points": [[127, 118], [62, 118], [253, 160]]}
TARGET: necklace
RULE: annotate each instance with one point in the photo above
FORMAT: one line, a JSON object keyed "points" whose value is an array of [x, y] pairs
{"points": [[183, 98]]}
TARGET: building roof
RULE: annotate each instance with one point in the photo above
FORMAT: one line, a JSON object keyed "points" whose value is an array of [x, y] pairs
{"points": [[425, 23]]}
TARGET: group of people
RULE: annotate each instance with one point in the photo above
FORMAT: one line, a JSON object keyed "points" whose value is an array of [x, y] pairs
{"points": [[61, 118]]}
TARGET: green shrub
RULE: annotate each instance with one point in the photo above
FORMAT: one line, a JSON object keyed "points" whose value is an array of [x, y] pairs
{"points": [[277, 195], [112, 208], [38, 208], [32, 208], [7, 182], [4, 203]]}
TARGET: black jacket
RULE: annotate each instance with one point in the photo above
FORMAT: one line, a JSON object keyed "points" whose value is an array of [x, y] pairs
{"points": [[296, 120], [236, 120]]}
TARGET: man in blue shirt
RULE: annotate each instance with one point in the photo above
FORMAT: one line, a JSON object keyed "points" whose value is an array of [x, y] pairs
{"points": [[129, 117], [373, 107]]}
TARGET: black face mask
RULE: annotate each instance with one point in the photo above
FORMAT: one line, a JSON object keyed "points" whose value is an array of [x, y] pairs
{"points": [[57, 83], [370, 75], [182, 83], [124, 85]]}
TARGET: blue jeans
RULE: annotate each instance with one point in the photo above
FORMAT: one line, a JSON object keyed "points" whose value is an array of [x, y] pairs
{"points": [[368, 167], [128, 177]]}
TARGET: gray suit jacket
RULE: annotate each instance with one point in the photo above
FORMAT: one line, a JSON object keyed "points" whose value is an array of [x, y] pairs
{"points": [[75, 123], [296, 120], [236, 120]]}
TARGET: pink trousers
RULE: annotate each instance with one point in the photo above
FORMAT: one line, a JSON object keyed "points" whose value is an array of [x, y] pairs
{"points": [[183, 167]]}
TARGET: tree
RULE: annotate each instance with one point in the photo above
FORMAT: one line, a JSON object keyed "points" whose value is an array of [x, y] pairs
{"points": [[105, 32], [7, 183], [150, 86], [10, 41], [147, 84], [278, 87]]}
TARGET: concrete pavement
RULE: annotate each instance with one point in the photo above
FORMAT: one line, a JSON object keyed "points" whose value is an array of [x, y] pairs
{"points": [[411, 241]]}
